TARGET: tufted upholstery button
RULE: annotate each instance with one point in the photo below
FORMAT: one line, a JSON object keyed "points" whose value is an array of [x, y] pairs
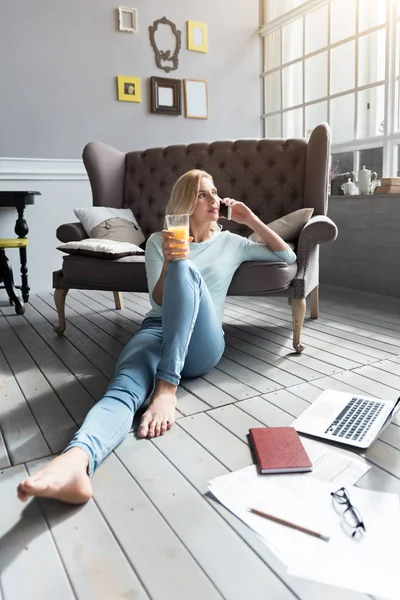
{"points": [[233, 181], [144, 154], [160, 215], [211, 151], [152, 170], [174, 168], [222, 165], [270, 198], [246, 165], [257, 181], [271, 163], [141, 186], [162, 184], [151, 201], [199, 167]]}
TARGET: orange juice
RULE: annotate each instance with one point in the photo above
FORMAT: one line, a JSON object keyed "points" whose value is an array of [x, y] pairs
{"points": [[181, 232]]}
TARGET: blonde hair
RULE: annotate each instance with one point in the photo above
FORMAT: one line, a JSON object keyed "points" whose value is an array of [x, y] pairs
{"points": [[184, 194]]}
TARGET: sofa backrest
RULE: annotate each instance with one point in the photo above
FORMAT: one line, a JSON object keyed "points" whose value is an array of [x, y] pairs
{"points": [[272, 176]]}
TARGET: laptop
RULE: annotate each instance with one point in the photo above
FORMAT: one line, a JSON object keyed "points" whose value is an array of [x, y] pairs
{"points": [[351, 419]]}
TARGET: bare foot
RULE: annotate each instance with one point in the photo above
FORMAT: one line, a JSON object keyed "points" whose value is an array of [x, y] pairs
{"points": [[65, 478], [160, 416]]}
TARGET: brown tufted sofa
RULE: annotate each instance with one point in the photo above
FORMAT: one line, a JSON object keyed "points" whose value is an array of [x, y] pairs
{"points": [[273, 176]]}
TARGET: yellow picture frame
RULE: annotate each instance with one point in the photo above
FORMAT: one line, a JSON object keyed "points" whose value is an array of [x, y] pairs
{"points": [[197, 36], [129, 89]]}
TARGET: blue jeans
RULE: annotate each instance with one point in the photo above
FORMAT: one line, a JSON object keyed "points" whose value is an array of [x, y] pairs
{"points": [[188, 341]]}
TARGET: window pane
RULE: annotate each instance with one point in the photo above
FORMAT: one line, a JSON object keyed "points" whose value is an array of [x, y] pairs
{"points": [[316, 77], [398, 50], [371, 112], [372, 159], [293, 123], [371, 13], [371, 57], [292, 85], [272, 50], [343, 19], [273, 92], [342, 118], [315, 114], [316, 29], [343, 68], [342, 162], [292, 41], [273, 126], [276, 8]]}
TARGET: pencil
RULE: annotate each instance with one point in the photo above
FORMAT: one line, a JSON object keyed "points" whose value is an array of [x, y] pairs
{"points": [[260, 513]]}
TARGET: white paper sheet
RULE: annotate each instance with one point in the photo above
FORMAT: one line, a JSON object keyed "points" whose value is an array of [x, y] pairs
{"points": [[368, 565]]}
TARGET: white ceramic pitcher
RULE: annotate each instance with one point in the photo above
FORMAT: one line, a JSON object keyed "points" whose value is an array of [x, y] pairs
{"points": [[365, 178]]}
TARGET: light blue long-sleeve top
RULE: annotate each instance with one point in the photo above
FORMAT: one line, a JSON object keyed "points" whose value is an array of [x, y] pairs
{"points": [[217, 260]]}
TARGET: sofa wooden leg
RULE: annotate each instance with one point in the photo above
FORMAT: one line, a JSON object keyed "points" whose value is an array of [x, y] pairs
{"points": [[59, 299], [119, 300], [298, 313], [314, 302]]}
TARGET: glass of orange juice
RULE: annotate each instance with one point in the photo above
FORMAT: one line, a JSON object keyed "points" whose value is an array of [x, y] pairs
{"points": [[179, 225]]}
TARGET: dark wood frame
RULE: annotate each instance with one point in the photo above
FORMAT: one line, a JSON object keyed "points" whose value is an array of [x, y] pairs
{"points": [[175, 84], [166, 54]]}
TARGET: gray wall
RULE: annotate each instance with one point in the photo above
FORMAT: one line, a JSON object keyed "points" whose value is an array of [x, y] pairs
{"points": [[59, 61], [366, 254]]}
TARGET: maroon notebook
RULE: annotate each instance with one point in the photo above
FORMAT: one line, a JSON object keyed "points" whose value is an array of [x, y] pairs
{"points": [[279, 450]]}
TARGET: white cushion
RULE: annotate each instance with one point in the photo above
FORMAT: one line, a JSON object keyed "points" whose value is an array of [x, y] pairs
{"points": [[108, 249], [288, 227], [95, 215]]}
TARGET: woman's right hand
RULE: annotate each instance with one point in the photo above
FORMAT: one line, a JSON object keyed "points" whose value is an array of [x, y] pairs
{"points": [[173, 248]]}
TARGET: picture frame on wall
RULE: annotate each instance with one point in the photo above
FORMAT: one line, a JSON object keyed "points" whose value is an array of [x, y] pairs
{"points": [[196, 98], [197, 34], [128, 89], [127, 19], [166, 96]]}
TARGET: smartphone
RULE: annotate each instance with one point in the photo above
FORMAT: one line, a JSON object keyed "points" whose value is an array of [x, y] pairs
{"points": [[225, 211]]}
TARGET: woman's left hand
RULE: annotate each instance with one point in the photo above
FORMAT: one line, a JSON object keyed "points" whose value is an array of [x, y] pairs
{"points": [[240, 212]]}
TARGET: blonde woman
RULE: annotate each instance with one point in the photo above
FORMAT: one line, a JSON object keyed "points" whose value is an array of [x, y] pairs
{"points": [[181, 336]]}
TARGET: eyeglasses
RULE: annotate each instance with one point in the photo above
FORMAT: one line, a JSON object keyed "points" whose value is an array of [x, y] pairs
{"points": [[352, 520]]}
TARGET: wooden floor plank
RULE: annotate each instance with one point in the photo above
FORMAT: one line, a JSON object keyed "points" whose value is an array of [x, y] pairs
{"points": [[230, 384], [97, 568], [254, 380], [92, 351], [318, 351], [149, 542], [92, 311], [354, 334], [114, 316], [207, 392], [69, 390], [189, 404], [311, 337], [238, 352], [22, 435], [30, 565], [54, 421], [85, 372]]}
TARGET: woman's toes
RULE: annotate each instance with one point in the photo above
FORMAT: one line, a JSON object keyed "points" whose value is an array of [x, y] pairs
{"points": [[151, 429], [157, 429], [163, 428], [144, 426]]}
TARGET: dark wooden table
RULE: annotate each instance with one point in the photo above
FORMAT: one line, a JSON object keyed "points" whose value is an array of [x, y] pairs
{"points": [[19, 200]]}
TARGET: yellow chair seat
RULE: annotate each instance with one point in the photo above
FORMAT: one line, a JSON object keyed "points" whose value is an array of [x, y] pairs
{"points": [[13, 242]]}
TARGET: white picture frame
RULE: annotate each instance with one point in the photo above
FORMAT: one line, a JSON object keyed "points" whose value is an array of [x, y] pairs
{"points": [[132, 15], [196, 98]]}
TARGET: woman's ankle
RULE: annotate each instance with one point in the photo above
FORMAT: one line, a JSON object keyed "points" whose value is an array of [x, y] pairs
{"points": [[164, 387]]}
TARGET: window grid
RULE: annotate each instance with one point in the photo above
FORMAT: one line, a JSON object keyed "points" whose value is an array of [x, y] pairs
{"points": [[390, 139]]}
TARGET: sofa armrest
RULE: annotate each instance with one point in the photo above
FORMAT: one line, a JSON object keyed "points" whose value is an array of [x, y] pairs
{"points": [[71, 232], [318, 230]]}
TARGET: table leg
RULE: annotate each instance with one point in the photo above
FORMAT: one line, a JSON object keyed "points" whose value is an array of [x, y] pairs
{"points": [[21, 226], [24, 274], [8, 279]]}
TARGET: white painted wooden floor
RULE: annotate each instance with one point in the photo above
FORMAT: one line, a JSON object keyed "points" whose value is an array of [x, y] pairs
{"points": [[151, 531]]}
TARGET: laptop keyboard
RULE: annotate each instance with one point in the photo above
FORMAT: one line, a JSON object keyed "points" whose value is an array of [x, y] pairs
{"points": [[355, 419]]}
